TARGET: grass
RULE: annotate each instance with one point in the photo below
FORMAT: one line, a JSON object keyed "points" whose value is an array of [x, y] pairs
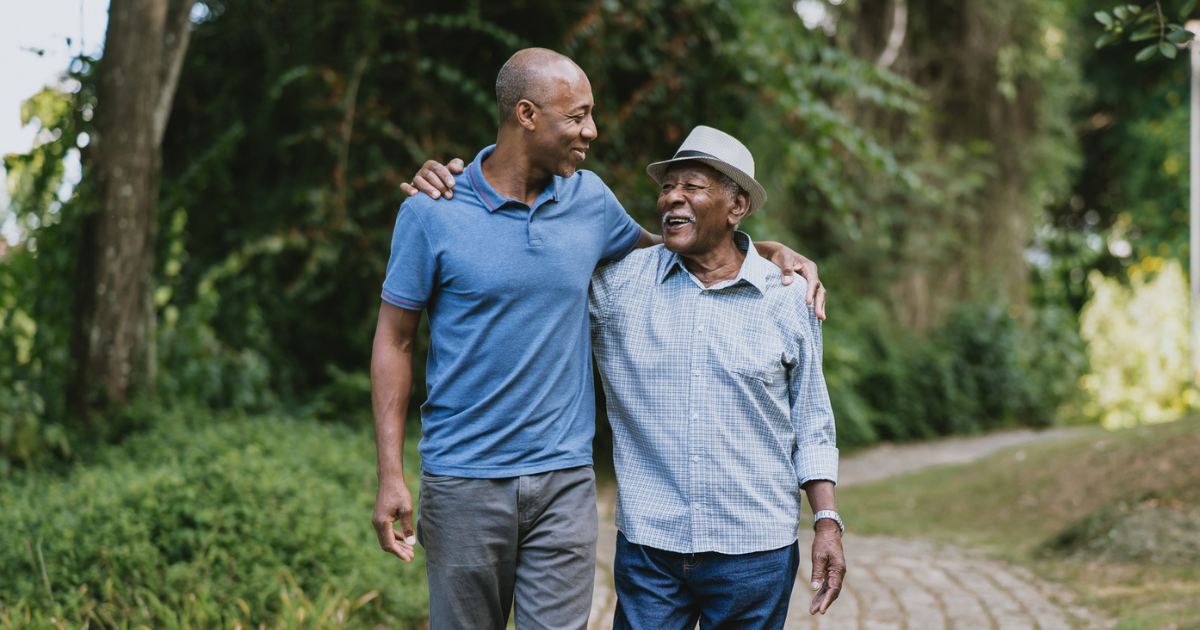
{"points": [[1013, 503]]}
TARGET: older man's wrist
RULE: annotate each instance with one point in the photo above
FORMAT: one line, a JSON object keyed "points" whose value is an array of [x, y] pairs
{"points": [[825, 525]]}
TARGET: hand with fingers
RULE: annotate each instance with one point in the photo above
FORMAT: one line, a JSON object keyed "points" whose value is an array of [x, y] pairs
{"points": [[435, 179], [393, 520], [829, 566], [791, 262]]}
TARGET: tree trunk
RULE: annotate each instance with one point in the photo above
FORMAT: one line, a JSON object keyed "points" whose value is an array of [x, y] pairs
{"points": [[113, 336]]}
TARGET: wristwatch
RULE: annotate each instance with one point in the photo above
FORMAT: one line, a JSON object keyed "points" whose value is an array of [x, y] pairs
{"points": [[831, 515]]}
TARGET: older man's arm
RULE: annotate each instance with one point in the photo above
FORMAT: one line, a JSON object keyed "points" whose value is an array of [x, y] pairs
{"points": [[816, 455], [829, 562]]}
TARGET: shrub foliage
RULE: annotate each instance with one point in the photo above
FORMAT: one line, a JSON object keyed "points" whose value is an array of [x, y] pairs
{"points": [[203, 521]]}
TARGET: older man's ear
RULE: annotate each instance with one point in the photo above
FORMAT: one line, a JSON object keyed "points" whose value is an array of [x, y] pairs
{"points": [[741, 207]]}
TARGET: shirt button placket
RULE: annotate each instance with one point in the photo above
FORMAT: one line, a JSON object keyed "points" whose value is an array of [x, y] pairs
{"points": [[695, 395], [696, 426]]}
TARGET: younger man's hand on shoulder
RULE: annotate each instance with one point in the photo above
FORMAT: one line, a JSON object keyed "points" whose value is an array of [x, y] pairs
{"points": [[791, 262]]}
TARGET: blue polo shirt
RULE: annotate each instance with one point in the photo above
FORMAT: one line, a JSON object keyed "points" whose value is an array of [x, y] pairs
{"points": [[506, 289]]}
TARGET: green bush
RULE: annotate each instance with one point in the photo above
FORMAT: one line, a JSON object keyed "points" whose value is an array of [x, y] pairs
{"points": [[207, 522], [980, 370]]}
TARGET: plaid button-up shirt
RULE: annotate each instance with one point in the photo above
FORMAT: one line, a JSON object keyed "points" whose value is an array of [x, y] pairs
{"points": [[717, 401]]}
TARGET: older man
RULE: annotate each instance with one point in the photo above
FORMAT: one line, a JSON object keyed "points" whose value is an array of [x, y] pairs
{"points": [[720, 415], [507, 491]]}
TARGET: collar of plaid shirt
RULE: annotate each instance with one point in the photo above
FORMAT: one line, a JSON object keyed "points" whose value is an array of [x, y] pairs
{"points": [[754, 270]]}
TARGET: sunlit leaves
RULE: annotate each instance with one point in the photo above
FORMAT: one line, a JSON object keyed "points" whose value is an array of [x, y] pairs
{"points": [[1137, 342]]}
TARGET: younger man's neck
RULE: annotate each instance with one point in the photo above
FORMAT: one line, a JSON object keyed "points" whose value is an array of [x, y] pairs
{"points": [[511, 172]]}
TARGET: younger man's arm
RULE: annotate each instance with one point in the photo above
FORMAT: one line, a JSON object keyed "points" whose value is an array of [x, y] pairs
{"points": [[436, 179], [391, 384]]}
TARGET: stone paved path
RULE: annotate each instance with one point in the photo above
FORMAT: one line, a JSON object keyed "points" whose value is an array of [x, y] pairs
{"points": [[895, 584]]}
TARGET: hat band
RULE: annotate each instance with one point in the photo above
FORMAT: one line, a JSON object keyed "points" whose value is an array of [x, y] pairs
{"points": [[695, 154]]}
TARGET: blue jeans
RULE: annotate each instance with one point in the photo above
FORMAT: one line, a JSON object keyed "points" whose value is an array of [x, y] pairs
{"points": [[661, 590]]}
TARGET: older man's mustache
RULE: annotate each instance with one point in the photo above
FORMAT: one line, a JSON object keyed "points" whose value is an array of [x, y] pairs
{"points": [[675, 219]]}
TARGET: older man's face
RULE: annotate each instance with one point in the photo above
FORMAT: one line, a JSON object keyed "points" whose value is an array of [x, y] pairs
{"points": [[697, 213]]}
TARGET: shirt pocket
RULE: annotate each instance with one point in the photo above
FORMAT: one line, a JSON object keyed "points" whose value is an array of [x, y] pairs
{"points": [[759, 356]]}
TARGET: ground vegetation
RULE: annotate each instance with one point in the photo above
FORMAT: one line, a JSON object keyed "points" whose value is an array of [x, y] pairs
{"points": [[1111, 514]]}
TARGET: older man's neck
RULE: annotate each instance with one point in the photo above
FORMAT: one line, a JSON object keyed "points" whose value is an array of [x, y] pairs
{"points": [[716, 265]]}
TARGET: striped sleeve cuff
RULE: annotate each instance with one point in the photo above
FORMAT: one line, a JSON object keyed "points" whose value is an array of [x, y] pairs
{"points": [[401, 302], [816, 463]]}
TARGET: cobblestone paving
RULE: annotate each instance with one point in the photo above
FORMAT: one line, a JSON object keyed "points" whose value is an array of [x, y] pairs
{"points": [[895, 584]]}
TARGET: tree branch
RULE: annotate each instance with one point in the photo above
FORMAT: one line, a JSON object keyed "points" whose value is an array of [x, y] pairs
{"points": [[896, 38], [176, 33], [347, 130]]}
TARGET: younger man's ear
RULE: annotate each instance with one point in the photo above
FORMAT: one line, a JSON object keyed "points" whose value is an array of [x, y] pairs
{"points": [[527, 114]]}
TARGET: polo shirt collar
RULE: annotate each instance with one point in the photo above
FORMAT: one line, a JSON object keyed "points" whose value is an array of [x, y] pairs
{"points": [[494, 200], [754, 271]]}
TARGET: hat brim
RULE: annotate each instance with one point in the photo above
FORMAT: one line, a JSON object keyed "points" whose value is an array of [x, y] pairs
{"points": [[758, 196]]}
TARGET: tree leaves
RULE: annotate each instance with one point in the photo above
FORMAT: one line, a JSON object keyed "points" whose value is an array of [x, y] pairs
{"points": [[1144, 34], [1179, 37], [1151, 22], [1146, 52]]}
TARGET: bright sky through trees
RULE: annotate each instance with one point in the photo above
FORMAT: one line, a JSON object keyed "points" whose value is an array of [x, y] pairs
{"points": [[27, 28]]}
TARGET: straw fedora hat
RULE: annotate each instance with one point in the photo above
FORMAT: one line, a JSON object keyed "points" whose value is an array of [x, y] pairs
{"points": [[722, 152]]}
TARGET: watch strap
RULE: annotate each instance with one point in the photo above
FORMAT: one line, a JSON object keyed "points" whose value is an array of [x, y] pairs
{"points": [[831, 515]]}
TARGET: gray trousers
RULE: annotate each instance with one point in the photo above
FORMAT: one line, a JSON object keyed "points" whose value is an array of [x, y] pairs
{"points": [[490, 541]]}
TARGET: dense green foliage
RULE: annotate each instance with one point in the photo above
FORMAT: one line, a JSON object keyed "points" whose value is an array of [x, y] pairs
{"points": [[199, 522], [982, 370], [35, 290]]}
